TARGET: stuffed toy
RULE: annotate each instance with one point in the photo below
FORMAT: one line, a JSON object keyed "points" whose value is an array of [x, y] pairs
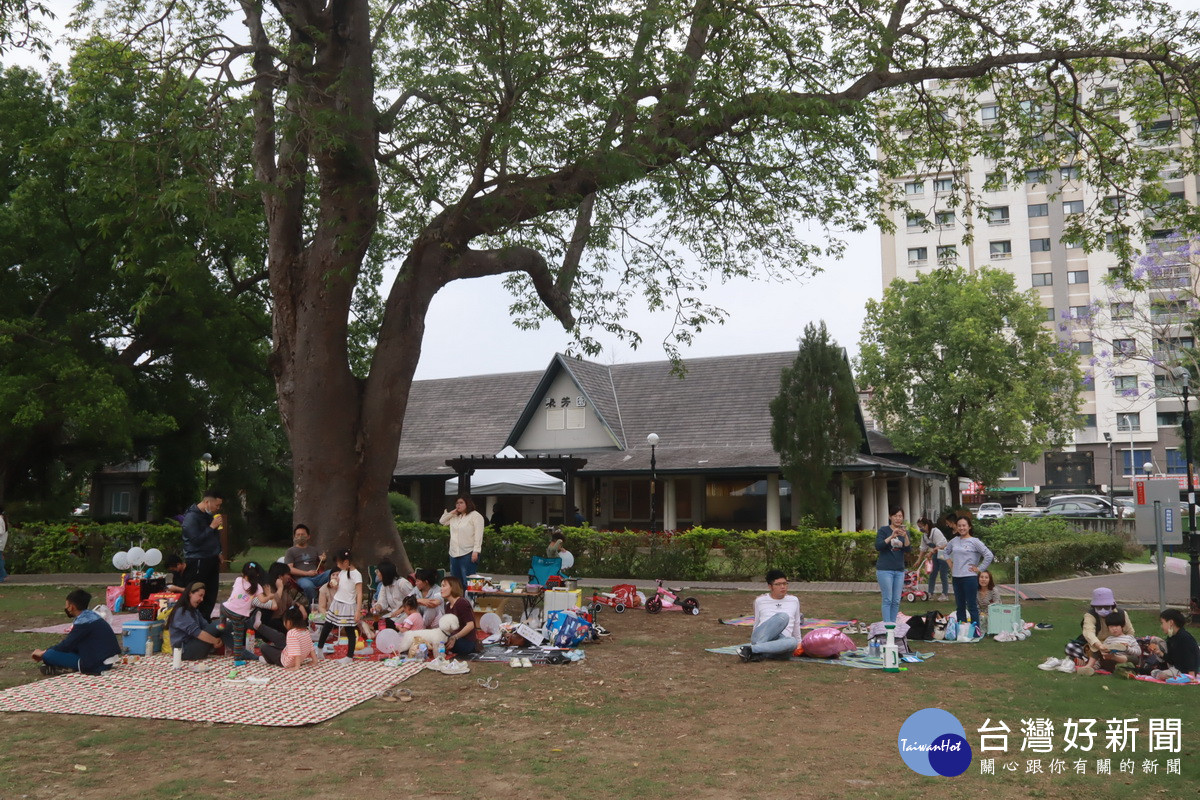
{"points": [[411, 641]]}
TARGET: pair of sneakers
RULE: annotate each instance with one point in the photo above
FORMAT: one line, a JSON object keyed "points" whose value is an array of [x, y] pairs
{"points": [[746, 654], [519, 662], [448, 667], [1053, 664]]}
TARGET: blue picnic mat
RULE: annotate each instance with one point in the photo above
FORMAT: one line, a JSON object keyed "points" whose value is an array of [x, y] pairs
{"points": [[856, 659]]}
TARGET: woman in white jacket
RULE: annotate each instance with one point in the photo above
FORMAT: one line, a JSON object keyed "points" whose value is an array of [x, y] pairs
{"points": [[466, 537]]}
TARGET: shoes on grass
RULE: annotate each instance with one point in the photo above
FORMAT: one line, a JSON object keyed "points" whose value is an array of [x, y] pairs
{"points": [[1085, 670], [1050, 664], [943, 598], [515, 663], [346, 660], [525, 662], [49, 669], [746, 654], [1067, 666]]}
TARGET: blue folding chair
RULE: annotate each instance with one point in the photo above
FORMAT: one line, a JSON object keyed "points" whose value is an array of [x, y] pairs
{"points": [[542, 569]]}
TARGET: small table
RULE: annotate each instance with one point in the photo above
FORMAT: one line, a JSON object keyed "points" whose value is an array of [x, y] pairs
{"points": [[530, 601]]}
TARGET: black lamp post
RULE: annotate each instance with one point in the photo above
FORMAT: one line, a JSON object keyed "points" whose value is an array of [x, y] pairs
{"points": [[1108, 439], [1193, 539], [652, 440], [207, 459]]}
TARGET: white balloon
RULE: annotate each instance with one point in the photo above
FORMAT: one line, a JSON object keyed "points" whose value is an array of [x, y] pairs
{"points": [[121, 560], [153, 557], [136, 556], [568, 560]]}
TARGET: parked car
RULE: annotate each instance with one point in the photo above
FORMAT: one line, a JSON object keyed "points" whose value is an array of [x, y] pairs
{"points": [[1077, 508], [1091, 498], [1126, 508], [990, 511]]}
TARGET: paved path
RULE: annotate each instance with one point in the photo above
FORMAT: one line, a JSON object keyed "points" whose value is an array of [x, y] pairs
{"points": [[1136, 585]]}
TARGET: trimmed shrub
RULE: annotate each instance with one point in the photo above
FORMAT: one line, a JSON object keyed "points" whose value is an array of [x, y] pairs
{"points": [[83, 546]]}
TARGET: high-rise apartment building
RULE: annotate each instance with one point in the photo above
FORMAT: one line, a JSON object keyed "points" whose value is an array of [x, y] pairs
{"points": [[1131, 408]]}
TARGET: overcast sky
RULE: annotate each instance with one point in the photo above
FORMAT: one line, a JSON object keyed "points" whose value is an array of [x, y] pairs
{"points": [[469, 331]]}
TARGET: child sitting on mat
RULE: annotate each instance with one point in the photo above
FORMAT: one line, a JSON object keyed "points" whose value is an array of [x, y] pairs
{"points": [[298, 647], [1183, 654], [413, 621], [1118, 647]]}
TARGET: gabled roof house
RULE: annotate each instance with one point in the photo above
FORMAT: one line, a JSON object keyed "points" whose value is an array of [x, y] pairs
{"points": [[713, 464]]}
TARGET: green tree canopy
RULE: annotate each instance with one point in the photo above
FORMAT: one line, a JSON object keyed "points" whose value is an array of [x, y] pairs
{"points": [[131, 318], [600, 154], [963, 374], [814, 421]]}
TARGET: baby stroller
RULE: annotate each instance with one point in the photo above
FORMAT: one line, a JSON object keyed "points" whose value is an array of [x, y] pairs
{"points": [[912, 587]]}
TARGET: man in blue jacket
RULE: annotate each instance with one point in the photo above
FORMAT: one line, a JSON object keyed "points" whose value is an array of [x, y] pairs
{"points": [[205, 543], [88, 648]]}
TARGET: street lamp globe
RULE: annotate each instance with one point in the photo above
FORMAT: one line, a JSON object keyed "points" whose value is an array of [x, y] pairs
{"points": [[1148, 468], [652, 439]]}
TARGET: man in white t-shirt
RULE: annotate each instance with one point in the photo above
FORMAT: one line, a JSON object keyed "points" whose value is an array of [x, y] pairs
{"points": [[777, 621]]}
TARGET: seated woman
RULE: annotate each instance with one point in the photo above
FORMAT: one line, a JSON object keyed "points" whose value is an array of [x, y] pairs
{"points": [[389, 597], [189, 630], [1183, 654], [281, 592], [988, 595], [462, 642]]}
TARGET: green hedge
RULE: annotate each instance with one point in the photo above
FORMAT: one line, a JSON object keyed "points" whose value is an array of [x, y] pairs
{"points": [[1051, 547], [696, 554], [82, 546]]}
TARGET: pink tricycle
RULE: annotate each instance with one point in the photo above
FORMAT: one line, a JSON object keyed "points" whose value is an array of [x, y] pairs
{"points": [[668, 599]]}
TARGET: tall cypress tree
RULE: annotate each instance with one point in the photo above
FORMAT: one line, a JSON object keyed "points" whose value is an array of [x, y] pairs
{"points": [[814, 426]]}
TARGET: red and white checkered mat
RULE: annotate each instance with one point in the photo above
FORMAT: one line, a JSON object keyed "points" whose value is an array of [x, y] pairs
{"points": [[150, 689]]}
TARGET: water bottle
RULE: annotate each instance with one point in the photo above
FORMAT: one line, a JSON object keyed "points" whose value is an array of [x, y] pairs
{"points": [[441, 651], [177, 658], [423, 651], [873, 649]]}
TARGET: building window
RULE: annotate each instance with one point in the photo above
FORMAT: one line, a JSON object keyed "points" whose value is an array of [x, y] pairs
{"points": [[1080, 312], [943, 185], [1035, 176], [1176, 463], [997, 215], [1112, 203], [1129, 422], [1166, 233], [1068, 173], [1039, 245], [1170, 419], [1082, 348], [1165, 387], [989, 113], [947, 254], [1039, 210], [1125, 383], [1071, 244], [1072, 206], [944, 219], [916, 220], [1133, 466], [1171, 276], [918, 255], [1160, 309], [1049, 312], [1077, 276], [1000, 250], [1086, 421], [914, 187], [1043, 279], [1157, 129], [1112, 239], [1122, 310], [1124, 347], [120, 503]]}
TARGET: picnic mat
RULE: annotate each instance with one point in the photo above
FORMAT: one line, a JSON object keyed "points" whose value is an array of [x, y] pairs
{"points": [[502, 654], [1149, 679], [858, 659], [150, 689], [809, 624], [117, 622]]}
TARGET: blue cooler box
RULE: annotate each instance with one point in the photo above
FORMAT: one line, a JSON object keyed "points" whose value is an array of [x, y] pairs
{"points": [[136, 634]]}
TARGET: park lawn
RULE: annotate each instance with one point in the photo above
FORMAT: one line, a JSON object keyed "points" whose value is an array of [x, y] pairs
{"points": [[648, 713]]}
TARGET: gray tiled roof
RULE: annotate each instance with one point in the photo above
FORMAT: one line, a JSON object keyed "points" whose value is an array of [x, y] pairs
{"points": [[716, 417]]}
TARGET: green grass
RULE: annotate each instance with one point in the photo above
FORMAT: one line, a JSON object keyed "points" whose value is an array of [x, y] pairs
{"points": [[646, 714], [263, 555]]}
